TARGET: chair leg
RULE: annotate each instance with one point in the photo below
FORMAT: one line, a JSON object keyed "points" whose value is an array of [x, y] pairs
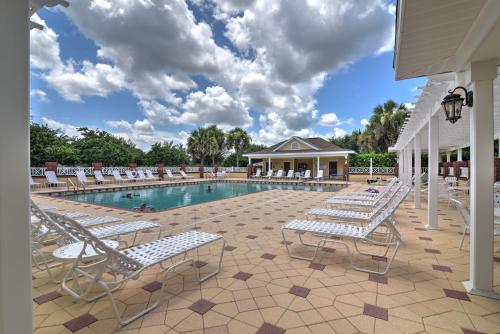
{"points": [[463, 237]]}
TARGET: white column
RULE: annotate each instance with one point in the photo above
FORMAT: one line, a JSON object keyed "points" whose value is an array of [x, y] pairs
{"points": [[418, 170], [481, 187], [448, 156], [432, 201], [459, 154], [409, 153], [400, 165], [269, 164], [317, 166], [15, 249]]}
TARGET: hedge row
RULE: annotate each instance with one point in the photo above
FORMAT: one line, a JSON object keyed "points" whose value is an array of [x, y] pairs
{"points": [[379, 160]]}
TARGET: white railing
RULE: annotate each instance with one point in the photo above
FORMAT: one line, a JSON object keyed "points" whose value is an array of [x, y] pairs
{"points": [[377, 170], [68, 171]]}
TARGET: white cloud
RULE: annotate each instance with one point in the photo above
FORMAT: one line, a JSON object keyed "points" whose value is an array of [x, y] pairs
{"points": [[67, 129], [339, 132], [40, 95], [154, 49], [364, 122], [410, 106], [330, 119], [214, 106]]}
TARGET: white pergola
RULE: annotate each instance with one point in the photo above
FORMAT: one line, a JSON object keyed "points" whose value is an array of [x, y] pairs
{"points": [[453, 43]]}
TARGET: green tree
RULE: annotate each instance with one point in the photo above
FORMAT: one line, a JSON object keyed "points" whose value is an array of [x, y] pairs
{"points": [[217, 143], [349, 141], [239, 140], [42, 137], [167, 153], [197, 144], [101, 146], [65, 154], [383, 128]]}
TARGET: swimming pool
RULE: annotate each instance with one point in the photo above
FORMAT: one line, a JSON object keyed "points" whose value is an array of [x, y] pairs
{"points": [[169, 197]]}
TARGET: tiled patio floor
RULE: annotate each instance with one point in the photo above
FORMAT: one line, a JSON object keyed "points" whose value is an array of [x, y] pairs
{"points": [[261, 290]]}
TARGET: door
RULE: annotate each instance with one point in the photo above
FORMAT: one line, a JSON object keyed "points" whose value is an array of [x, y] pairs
{"points": [[286, 166], [332, 168]]}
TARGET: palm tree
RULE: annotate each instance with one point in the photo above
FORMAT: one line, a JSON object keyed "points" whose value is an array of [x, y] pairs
{"points": [[384, 127], [197, 144], [239, 140], [220, 141]]}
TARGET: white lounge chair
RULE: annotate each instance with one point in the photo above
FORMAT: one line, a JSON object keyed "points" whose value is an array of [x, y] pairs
{"points": [[118, 178], [100, 178], [150, 176], [130, 177], [269, 174], [320, 175], [223, 174], [52, 180], [172, 176], [184, 175], [330, 232], [307, 175], [110, 269], [367, 195], [45, 230], [141, 176], [258, 173], [82, 178], [279, 174], [358, 216], [290, 174], [34, 184]]}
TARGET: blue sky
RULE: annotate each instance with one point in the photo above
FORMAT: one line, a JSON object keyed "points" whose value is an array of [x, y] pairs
{"points": [[308, 69]]}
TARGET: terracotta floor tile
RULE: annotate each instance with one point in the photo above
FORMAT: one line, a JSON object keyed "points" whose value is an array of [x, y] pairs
{"points": [[376, 311]]}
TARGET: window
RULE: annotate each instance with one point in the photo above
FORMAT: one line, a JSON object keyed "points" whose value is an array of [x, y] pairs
{"points": [[295, 146]]}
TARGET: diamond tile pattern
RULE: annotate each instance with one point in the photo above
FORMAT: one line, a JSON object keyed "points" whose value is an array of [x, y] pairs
{"points": [[202, 306], [267, 256], [335, 294], [80, 322], [47, 297], [299, 291]]}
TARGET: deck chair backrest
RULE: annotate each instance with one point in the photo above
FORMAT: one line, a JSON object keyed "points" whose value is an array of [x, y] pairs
{"points": [[183, 173], [45, 226], [116, 175], [259, 171], [82, 178], [149, 174], [169, 173], [307, 173], [51, 177], [279, 173], [269, 173], [129, 174], [98, 175], [117, 262], [320, 173], [387, 212], [385, 200], [290, 173], [141, 175]]}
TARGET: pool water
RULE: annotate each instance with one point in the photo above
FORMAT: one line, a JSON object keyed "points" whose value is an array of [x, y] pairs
{"points": [[162, 198]]}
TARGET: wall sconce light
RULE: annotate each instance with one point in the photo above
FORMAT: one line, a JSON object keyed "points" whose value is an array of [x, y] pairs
{"points": [[452, 104]]}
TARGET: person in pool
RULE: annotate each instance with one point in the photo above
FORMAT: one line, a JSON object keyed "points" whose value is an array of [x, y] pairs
{"points": [[127, 195], [209, 189]]}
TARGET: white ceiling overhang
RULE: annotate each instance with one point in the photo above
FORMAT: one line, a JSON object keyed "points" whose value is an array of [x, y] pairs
{"points": [[429, 33]]}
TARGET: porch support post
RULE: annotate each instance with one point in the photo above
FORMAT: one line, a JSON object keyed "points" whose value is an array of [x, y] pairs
{"points": [[409, 153], [448, 156], [400, 165], [269, 164], [317, 166], [418, 171], [459, 154], [482, 179], [433, 170], [15, 248]]}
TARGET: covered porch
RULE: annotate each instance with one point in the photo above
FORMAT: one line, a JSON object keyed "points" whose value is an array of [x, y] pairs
{"points": [[458, 51]]}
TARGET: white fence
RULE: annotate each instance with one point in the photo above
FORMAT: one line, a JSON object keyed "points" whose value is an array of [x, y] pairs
{"points": [[67, 171], [376, 170]]}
